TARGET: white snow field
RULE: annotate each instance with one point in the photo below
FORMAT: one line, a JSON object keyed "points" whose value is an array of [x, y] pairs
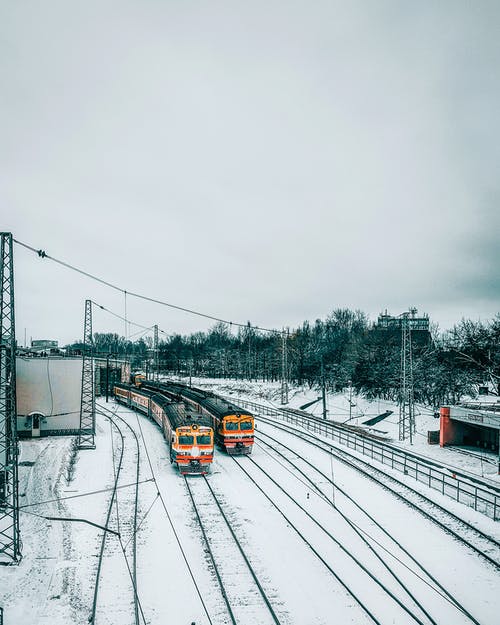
{"points": [[307, 583]]}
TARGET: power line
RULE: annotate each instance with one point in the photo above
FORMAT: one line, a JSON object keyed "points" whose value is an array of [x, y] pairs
{"points": [[43, 254], [88, 494], [138, 325], [177, 538]]}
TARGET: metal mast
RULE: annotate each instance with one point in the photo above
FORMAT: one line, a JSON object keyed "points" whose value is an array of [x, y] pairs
{"points": [[87, 403], [10, 543], [155, 347], [284, 368], [406, 402]]}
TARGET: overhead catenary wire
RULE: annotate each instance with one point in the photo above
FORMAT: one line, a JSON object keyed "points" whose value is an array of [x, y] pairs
{"points": [[317, 491], [143, 329], [133, 323], [88, 494], [43, 254], [177, 538]]}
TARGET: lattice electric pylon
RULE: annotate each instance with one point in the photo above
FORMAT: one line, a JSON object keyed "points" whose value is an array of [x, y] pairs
{"points": [[406, 402], [10, 543], [87, 403]]}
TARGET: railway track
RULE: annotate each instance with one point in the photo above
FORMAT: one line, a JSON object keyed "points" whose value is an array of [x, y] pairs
{"points": [[478, 455], [393, 557], [245, 598], [483, 545], [379, 603], [479, 493], [126, 520]]}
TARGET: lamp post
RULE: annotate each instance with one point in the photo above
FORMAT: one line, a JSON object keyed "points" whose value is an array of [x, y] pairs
{"points": [[323, 388], [350, 400]]}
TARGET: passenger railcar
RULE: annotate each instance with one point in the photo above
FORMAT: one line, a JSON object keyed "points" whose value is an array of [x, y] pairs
{"points": [[137, 378], [233, 426], [189, 435]]}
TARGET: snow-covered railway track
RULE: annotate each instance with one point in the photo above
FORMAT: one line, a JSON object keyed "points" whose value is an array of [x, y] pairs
{"points": [[487, 547], [126, 520], [348, 570], [486, 457], [391, 557], [246, 600]]}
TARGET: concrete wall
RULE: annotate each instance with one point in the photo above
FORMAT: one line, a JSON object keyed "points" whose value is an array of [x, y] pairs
{"points": [[52, 387]]}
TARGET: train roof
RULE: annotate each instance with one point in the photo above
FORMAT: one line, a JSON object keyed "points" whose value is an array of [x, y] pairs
{"points": [[178, 412], [213, 403]]}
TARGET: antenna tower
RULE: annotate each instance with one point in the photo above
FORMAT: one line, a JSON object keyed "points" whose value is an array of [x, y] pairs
{"points": [[10, 542], [87, 403], [406, 402]]}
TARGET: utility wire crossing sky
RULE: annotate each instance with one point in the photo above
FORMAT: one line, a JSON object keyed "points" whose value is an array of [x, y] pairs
{"points": [[258, 161]]}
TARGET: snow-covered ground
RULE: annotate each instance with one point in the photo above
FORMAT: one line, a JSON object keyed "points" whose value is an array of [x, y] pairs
{"points": [[54, 583], [349, 408]]}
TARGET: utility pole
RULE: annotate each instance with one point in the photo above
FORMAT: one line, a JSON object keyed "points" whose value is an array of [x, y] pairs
{"points": [[249, 352], [155, 348], [10, 542], [323, 389], [406, 401], [125, 299], [284, 368], [87, 403]]}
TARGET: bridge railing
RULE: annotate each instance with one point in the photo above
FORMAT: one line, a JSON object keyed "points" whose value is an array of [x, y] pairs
{"points": [[447, 480]]}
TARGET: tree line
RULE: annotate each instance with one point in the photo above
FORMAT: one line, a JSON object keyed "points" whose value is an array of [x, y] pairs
{"points": [[343, 350]]}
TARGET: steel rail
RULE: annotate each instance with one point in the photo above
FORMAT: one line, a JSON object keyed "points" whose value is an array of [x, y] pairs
{"points": [[443, 592], [478, 493], [249, 566], [108, 517], [165, 508], [373, 472], [339, 544], [243, 554], [210, 552], [315, 551], [136, 506]]}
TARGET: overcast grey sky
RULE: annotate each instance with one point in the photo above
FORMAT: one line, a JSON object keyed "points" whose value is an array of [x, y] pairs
{"points": [[263, 161]]}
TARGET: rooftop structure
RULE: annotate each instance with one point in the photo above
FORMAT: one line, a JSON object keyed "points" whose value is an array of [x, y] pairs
{"points": [[388, 322]]}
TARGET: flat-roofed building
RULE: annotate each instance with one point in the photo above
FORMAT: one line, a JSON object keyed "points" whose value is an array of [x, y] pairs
{"points": [[471, 425], [48, 395]]}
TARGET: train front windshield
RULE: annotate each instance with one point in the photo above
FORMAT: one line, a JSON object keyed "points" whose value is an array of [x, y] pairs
{"points": [[203, 439], [186, 440], [244, 426]]}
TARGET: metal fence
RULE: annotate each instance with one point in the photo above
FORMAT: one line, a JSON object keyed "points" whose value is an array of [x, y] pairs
{"points": [[472, 492]]}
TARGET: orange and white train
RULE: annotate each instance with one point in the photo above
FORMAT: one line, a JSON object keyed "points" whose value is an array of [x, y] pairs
{"points": [[188, 433], [233, 426]]}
